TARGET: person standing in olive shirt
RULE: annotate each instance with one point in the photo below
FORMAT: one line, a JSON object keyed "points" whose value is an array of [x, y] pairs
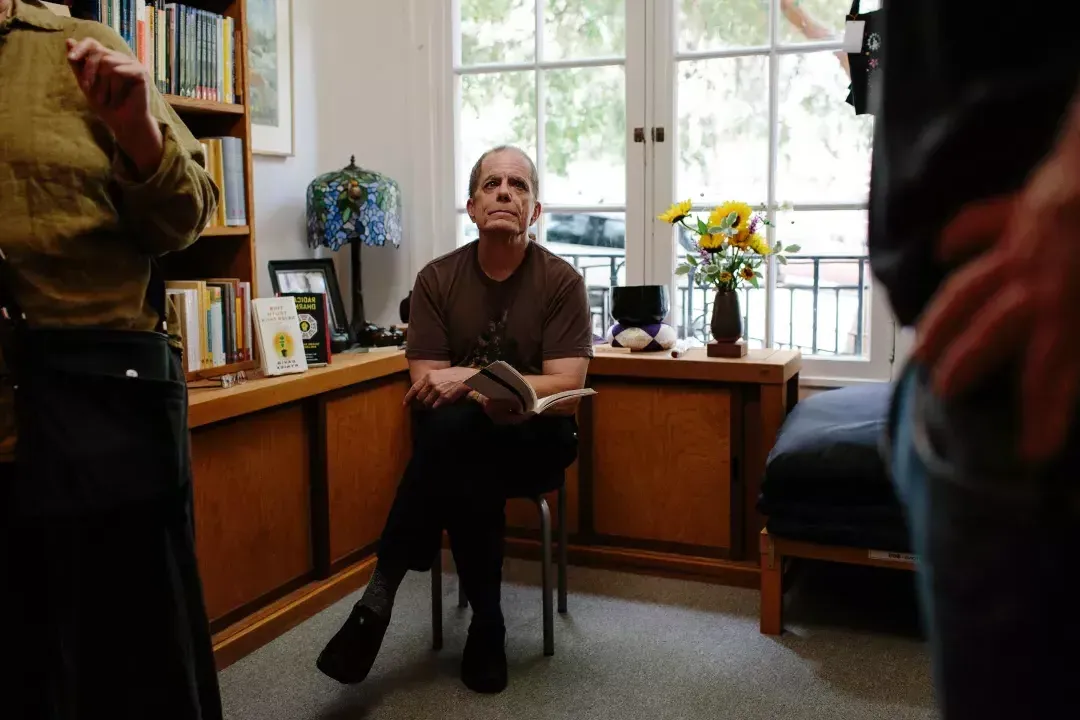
{"points": [[103, 616], [501, 297], [975, 233]]}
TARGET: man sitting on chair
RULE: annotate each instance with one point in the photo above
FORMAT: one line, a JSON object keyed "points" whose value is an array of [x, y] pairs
{"points": [[501, 297]]}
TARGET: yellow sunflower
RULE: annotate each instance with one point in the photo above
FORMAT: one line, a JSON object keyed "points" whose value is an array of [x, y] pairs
{"points": [[711, 242], [746, 272], [724, 277], [676, 212], [742, 222], [758, 244]]}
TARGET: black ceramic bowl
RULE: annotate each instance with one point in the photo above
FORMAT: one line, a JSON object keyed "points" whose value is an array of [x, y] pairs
{"points": [[637, 305]]}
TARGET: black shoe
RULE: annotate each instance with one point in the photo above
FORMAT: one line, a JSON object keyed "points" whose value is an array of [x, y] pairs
{"points": [[483, 664], [349, 655]]}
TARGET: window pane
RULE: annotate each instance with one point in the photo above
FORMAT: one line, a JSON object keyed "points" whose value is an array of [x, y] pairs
{"points": [[823, 293], [496, 109], [585, 138], [466, 229], [816, 20], [497, 31], [716, 24], [576, 29], [824, 146], [594, 243], [723, 129]]}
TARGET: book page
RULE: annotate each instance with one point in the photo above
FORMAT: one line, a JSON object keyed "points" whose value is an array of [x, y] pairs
{"points": [[545, 403]]}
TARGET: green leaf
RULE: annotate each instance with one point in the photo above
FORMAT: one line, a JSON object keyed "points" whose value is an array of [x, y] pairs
{"points": [[714, 230], [754, 282], [682, 270], [691, 260], [781, 259], [702, 228], [777, 247], [346, 214], [792, 248], [731, 219], [757, 274]]}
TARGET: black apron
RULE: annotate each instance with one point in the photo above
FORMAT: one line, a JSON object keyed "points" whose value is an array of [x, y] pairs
{"points": [[99, 586]]}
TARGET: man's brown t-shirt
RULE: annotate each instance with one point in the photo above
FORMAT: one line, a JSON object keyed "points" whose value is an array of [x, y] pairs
{"points": [[459, 314]]}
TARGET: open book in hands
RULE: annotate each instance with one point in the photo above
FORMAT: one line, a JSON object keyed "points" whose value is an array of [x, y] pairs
{"points": [[500, 381]]}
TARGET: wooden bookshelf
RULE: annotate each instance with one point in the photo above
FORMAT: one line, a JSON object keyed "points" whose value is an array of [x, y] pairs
{"points": [[221, 251], [191, 105], [219, 231]]}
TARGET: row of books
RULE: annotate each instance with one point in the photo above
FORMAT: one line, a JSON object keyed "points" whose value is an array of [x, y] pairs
{"points": [[190, 52], [225, 164], [214, 318]]}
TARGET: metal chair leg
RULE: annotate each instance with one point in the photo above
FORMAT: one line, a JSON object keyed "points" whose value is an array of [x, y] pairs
{"points": [[563, 542], [436, 605], [549, 619]]}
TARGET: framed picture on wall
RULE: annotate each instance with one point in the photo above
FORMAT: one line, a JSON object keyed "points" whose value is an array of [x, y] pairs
{"points": [[270, 76]]}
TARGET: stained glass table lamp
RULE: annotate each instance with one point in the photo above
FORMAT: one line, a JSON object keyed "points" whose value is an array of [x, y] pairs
{"points": [[356, 207]]}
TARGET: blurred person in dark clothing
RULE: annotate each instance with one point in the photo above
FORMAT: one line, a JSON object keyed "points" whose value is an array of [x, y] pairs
{"points": [[975, 233]]}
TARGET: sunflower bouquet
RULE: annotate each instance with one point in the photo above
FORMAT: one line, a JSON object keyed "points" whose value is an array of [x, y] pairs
{"points": [[730, 247]]}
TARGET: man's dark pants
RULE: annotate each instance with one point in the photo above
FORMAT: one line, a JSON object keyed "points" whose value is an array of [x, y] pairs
{"points": [[463, 469], [998, 544]]}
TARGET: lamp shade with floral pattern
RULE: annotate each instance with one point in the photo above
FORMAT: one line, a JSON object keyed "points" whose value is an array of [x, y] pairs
{"points": [[353, 205]]}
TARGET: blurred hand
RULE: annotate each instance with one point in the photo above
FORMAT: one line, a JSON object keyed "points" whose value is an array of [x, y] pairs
{"points": [[503, 412], [440, 387], [1017, 302], [117, 88]]}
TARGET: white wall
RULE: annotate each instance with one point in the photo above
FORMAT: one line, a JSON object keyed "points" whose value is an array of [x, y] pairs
{"points": [[364, 73]]}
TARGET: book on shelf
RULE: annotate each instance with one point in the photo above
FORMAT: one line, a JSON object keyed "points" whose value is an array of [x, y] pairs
{"points": [[314, 316], [215, 321], [278, 334], [189, 51], [225, 163], [500, 381]]}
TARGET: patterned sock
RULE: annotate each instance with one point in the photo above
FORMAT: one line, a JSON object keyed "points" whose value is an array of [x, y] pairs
{"points": [[379, 594]]}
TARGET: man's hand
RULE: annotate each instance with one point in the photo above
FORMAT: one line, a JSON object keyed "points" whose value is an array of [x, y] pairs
{"points": [[1018, 302], [440, 387], [117, 88]]}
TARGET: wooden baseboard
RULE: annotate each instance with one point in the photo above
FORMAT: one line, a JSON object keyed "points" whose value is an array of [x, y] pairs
{"points": [[258, 629], [725, 572]]}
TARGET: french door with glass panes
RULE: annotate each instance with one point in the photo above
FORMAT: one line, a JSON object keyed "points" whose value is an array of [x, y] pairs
{"points": [[752, 95], [565, 81], [630, 105]]}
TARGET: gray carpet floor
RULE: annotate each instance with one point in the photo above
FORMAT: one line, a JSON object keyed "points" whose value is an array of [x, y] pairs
{"points": [[630, 647]]}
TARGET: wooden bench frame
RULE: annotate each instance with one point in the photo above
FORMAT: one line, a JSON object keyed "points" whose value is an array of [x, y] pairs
{"points": [[775, 551]]}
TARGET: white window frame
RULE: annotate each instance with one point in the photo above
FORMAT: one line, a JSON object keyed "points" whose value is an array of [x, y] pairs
{"points": [[661, 183], [633, 62], [650, 62]]}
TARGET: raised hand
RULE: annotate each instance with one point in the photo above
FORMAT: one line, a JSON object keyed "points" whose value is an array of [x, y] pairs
{"points": [[117, 89]]}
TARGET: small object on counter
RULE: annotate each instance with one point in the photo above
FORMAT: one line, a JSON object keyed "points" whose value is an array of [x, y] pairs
{"points": [[681, 348]]}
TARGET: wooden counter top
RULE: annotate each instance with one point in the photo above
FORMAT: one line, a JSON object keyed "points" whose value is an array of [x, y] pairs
{"points": [[759, 366], [210, 405]]}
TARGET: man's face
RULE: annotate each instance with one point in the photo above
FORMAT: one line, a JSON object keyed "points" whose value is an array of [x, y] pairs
{"points": [[505, 200]]}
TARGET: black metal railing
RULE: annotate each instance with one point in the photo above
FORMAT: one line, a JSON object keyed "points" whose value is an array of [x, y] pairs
{"points": [[837, 282]]}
